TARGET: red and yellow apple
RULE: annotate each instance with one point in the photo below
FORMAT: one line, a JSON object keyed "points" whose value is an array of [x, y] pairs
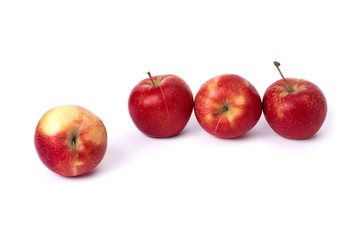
{"points": [[70, 140], [294, 108], [161, 106], [227, 106]]}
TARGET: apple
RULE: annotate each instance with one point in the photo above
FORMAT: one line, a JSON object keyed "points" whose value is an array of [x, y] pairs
{"points": [[70, 140], [161, 106], [294, 108], [227, 106]]}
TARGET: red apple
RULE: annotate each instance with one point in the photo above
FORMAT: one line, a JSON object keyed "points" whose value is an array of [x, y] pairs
{"points": [[227, 106], [294, 108], [70, 140], [161, 106]]}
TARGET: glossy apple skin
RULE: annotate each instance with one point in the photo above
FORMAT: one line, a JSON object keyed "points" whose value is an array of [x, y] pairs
{"points": [[295, 115], [54, 137], [162, 110], [238, 95]]}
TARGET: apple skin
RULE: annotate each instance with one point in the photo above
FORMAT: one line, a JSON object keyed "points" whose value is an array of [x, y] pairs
{"points": [[161, 110], [227, 106], [70, 140], [295, 115]]}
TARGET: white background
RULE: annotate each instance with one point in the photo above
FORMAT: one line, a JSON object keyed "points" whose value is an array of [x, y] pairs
{"points": [[194, 185]]}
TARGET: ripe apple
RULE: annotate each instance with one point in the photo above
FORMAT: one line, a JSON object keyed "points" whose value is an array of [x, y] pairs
{"points": [[227, 106], [161, 106], [294, 108], [70, 140]]}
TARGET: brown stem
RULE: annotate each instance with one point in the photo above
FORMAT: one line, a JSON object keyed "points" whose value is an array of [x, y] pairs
{"points": [[74, 147], [222, 110], [288, 87], [152, 80]]}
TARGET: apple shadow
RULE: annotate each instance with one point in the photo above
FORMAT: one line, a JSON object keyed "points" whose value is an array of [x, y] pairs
{"points": [[260, 130], [190, 129], [278, 139], [89, 174], [114, 156], [125, 149], [319, 135]]}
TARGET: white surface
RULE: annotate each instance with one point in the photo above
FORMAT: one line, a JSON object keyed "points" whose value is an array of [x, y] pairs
{"points": [[193, 186]]}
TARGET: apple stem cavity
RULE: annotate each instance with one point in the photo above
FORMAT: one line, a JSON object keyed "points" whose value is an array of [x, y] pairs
{"points": [[152, 80], [288, 87], [74, 147], [222, 110]]}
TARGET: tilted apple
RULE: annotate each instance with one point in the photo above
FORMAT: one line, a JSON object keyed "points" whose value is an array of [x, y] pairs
{"points": [[294, 108], [70, 140]]}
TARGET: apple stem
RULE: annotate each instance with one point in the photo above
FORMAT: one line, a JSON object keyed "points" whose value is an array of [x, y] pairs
{"points": [[152, 80], [288, 87], [74, 147], [222, 110]]}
